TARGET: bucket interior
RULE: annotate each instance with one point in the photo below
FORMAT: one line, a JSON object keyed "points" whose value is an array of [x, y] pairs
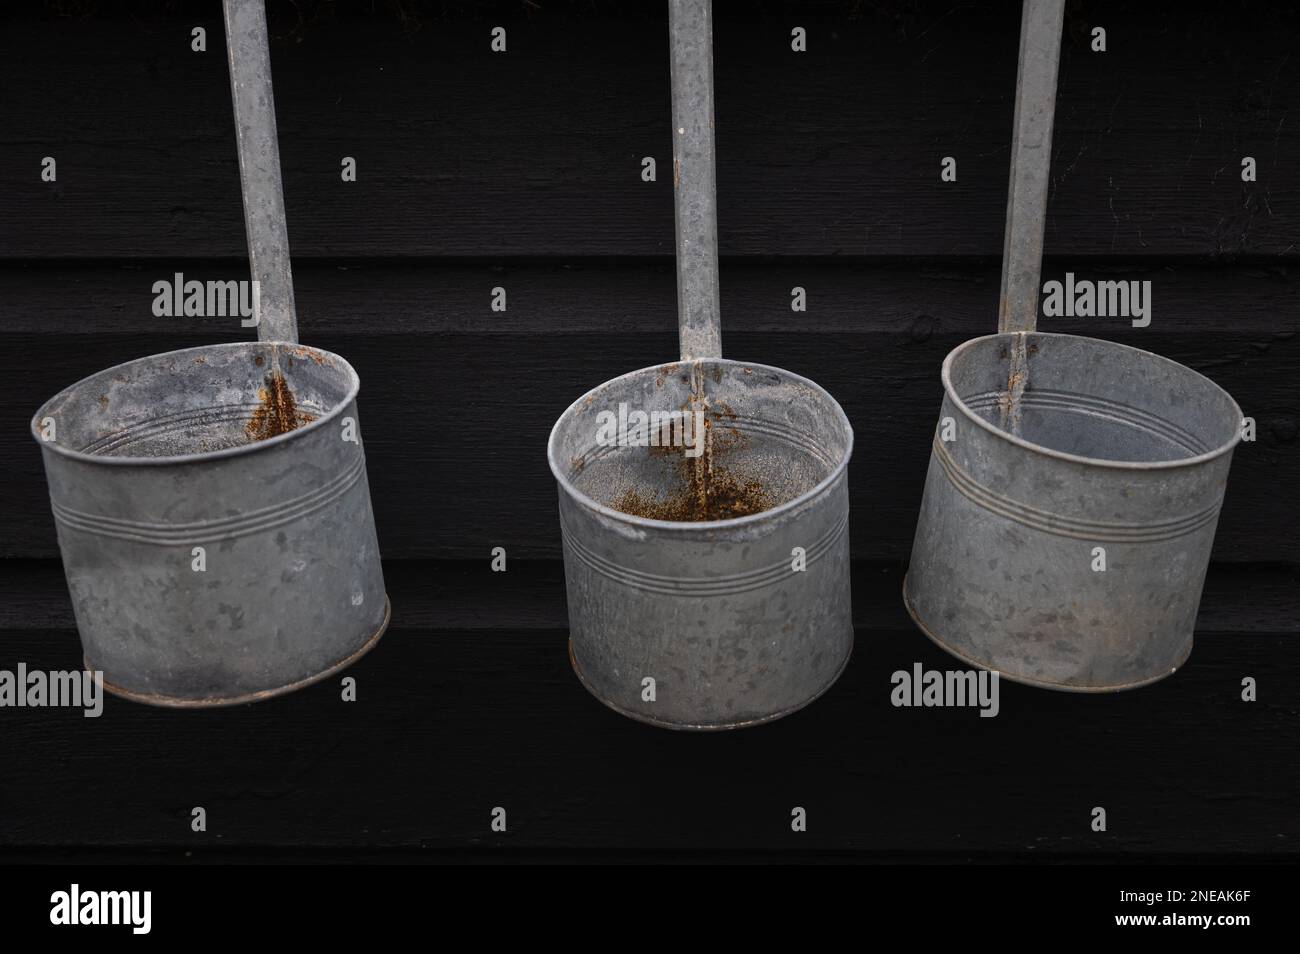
{"points": [[768, 437], [1093, 398], [198, 400]]}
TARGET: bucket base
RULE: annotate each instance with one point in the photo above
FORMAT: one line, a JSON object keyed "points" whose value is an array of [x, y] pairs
{"points": [[711, 727], [214, 702], [1026, 680]]}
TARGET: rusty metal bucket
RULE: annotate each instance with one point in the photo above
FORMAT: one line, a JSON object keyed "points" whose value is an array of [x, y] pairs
{"points": [[707, 590], [211, 504], [1074, 484]]}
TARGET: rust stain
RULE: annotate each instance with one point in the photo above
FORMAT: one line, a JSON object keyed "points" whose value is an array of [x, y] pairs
{"points": [[103, 401], [664, 371], [727, 496], [727, 437], [705, 491], [277, 413]]}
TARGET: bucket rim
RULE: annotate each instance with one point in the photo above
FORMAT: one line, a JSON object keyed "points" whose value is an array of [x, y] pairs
{"points": [[688, 526], [1101, 462], [353, 389]]}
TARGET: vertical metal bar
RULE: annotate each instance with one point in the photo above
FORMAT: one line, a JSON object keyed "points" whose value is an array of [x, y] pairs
{"points": [[690, 28], [1031, 154], [259, 168]]}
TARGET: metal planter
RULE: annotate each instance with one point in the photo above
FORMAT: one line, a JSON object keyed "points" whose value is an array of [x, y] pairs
{"points": [[713, 611], [1107, 447], [206, 568]]}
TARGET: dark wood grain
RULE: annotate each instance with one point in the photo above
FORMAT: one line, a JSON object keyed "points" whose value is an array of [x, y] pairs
{"points": [[537, 152], [455, 716]]}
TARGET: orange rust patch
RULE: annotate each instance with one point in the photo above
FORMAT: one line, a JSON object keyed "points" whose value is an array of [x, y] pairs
{"points": [[727, 496], [727, 436], [706, 490], [664, 371], [277, 412]]}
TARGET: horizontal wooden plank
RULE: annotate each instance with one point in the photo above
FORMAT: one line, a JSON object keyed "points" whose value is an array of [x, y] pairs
{"points": [[537, 152], [430, 351], [1259, 304], [451, 722]]}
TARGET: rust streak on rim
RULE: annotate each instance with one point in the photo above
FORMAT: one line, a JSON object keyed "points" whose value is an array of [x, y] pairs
{"points": [[354, 388]]}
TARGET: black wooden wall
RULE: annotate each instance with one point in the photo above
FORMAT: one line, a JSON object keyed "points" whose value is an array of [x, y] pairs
{"points": [[479, 169]]}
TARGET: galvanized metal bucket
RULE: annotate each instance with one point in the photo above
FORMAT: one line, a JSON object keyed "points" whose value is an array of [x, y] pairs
{"points": [[1074, 484], [211, 504], [728, 621]]}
